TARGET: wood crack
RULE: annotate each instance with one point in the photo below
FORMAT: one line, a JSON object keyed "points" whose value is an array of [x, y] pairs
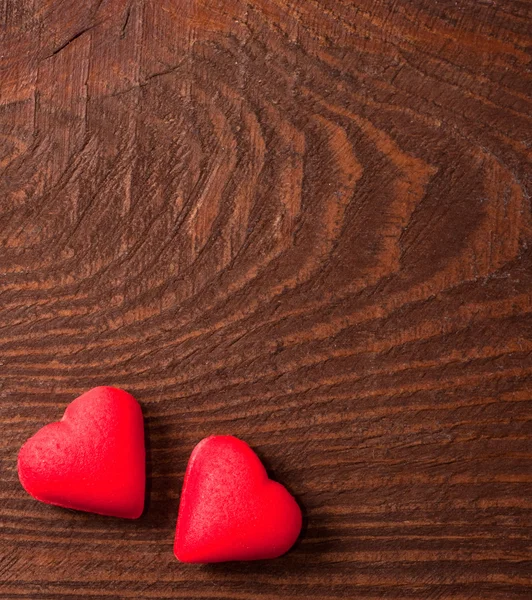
{"points": [[69, 41]]}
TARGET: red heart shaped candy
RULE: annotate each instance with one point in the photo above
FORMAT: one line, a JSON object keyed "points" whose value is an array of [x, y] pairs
{"points": [[93, 459], [229, 508]]}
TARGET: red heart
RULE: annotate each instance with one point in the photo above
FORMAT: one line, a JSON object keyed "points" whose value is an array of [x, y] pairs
{"points": [[229, 508], [91, 460]]}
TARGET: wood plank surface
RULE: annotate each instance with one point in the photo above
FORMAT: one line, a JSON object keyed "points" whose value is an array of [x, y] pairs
{"points": [[306, 223]]}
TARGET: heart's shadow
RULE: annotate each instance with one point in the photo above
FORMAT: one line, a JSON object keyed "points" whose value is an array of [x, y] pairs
{"points": [[163, 482], [149, 468]]}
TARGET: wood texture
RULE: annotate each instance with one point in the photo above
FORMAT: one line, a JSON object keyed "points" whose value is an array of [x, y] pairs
{"points": [[303, 222]]}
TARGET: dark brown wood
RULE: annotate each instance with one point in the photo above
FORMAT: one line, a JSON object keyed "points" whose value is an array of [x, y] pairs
{"points": [[303, 222]]}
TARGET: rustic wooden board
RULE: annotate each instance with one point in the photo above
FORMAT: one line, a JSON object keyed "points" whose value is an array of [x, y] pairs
{"points": [[303, 222]]}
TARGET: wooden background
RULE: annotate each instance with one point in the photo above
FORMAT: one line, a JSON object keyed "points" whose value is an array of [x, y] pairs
{"points": [[303, 222]]}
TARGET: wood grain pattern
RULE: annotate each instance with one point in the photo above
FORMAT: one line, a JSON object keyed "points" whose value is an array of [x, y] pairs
{"points": [[303, 222]]}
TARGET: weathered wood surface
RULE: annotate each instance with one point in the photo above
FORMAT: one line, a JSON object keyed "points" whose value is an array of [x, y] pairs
{"points": [[303, 222]]}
